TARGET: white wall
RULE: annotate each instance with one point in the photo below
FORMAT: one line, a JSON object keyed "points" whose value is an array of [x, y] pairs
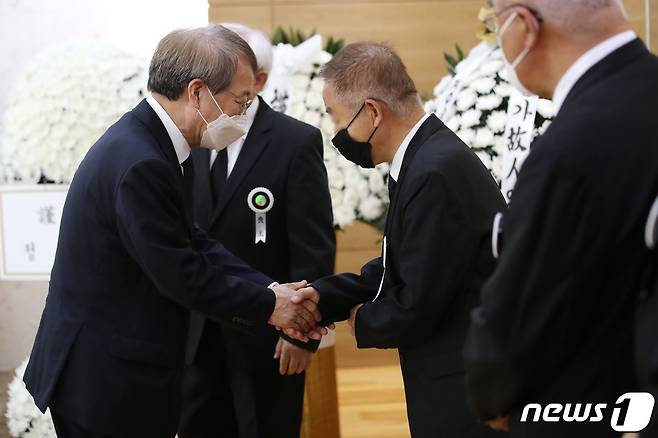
{"points": [[27, 26]]}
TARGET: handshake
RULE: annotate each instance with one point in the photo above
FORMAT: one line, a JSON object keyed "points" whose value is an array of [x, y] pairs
{"points": [[296, 311]]}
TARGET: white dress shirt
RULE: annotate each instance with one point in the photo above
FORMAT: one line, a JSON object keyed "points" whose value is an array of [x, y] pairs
{"points": [[396, 164], [180, 144], [592, 57], [233, 150]]}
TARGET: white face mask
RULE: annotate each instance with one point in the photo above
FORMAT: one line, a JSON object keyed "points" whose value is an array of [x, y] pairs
{"points": [[511, 66], [222, 131]]}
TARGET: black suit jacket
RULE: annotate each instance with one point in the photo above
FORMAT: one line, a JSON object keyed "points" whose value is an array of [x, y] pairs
{"points": [[556, 321], [438, 254], [283, 155], [646, 335], [129, 265]]}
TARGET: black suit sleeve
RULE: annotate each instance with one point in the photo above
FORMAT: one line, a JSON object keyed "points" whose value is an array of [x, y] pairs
{"points": [[435, 228], [311, 235], [531, 309], [339, 293], [195, 273]]}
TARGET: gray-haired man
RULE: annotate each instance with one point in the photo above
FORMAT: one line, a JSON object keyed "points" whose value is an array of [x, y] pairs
{"points": [[108, 356]]}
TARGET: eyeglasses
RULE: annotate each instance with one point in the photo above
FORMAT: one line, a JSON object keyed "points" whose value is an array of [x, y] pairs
{"points": [[244, 105], [492, 24]]}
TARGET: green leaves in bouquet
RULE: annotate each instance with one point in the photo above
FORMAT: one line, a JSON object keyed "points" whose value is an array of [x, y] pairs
{"points": [[295, 37], [452, 61], [333, 45]]}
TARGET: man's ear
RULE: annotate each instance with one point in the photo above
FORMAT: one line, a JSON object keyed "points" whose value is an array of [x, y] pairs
{"points": [[260, 79], [531, 24], [375, 111], [194, 89]]}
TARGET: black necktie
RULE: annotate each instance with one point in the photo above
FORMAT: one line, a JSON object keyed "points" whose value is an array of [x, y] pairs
{"points": [[188, 187], [218, 175]]}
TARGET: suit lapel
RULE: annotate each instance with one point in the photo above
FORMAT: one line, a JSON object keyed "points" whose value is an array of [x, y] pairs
{"points": [[426, 130], [254, 146]]}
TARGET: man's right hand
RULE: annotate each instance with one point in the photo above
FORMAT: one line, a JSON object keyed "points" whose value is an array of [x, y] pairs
{"points": [[312, 296], [300, 314]]}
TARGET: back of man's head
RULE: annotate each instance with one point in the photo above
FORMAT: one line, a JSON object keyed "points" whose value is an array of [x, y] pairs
{"points": [[370, 70]]}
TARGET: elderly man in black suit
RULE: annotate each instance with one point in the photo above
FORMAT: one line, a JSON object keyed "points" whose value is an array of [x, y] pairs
{"points": [[556, 321], [436, 254], [108, 357]]}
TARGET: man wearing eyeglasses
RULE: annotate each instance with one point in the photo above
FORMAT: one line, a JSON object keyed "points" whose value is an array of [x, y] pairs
{"points": [[266, 198], [555, 324]]}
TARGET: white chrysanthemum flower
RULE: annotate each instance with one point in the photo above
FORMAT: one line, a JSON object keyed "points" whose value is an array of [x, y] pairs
{"points": [[351, 197], [491, 68], [483, 85], [313, 118], [371, 208], [546, 108], [484, 138], [504, 89], [466, 100], [344, 216], [470, 118], [301, 82], [496, 121], [489, 102], [23, 417]]}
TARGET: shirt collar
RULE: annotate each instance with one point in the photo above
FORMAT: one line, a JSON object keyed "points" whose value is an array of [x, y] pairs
{"points": [[396, 164], [586, 62], [180, 144]]}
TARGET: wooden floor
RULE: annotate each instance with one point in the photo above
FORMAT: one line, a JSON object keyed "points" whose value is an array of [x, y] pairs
{"points": [[371, 401]]}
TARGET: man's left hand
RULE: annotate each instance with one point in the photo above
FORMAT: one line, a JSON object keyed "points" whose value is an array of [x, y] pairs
{"points": [[292, 359]]}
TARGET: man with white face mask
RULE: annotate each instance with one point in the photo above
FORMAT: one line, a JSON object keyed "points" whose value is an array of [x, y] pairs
{"points": [[555, 327], [130, 264]]}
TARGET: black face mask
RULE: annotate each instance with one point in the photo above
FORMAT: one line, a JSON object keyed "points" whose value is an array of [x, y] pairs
{"points": [[358, 152]]}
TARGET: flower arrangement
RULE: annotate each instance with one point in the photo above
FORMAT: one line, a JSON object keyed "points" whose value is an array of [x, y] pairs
{"points": [[24, 418], [66, 98], [477, 112]]}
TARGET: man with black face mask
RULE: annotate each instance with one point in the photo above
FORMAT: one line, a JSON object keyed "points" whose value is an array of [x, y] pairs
{"points": [[436, 252]]}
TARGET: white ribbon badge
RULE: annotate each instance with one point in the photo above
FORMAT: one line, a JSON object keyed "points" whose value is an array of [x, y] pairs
{"points": [[260, 201]]}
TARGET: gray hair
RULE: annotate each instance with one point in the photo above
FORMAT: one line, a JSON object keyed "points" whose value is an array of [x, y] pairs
{"points": [[258, 41], [576, 16], [210, 53], [371, 70]]}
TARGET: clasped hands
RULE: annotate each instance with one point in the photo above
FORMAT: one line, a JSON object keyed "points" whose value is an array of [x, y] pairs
{"points": [[296, 311]]}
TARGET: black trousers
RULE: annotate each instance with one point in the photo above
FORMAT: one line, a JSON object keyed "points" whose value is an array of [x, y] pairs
{"points": [[437, 408], [222, 400], [65, 428]]}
